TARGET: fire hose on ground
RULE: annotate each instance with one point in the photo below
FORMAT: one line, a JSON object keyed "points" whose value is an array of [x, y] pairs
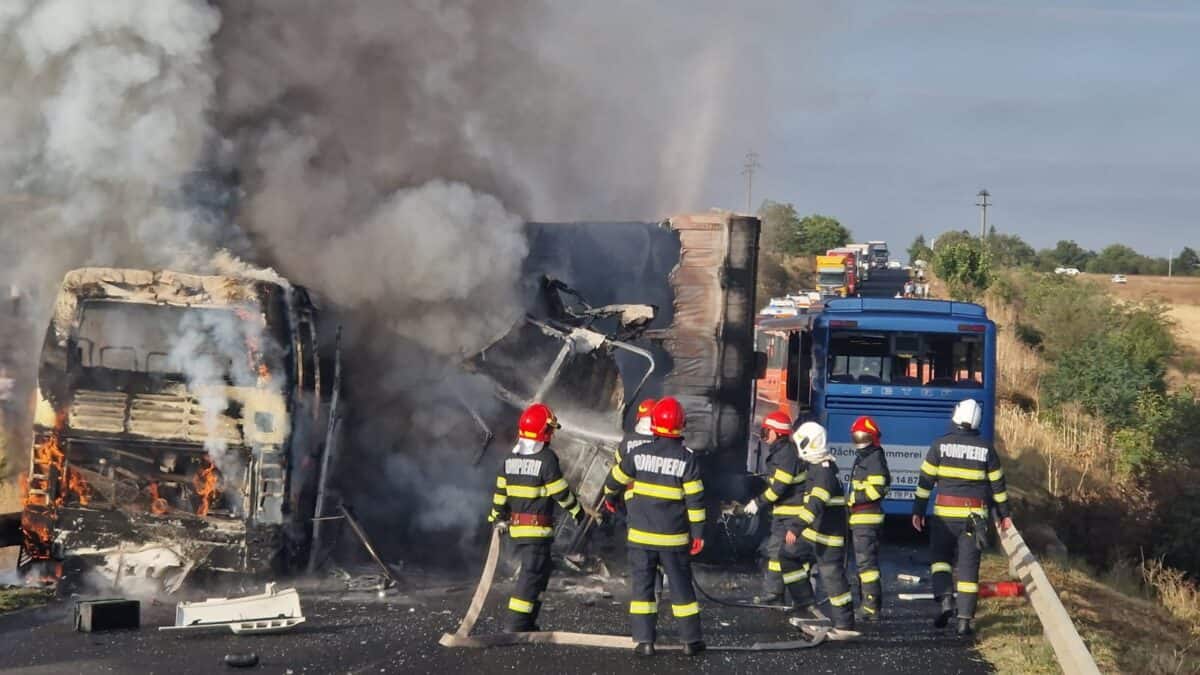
{"points": [[463, 638]]}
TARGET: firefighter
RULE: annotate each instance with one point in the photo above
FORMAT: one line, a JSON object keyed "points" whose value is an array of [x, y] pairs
{"points": [[820, 531], [786, 572], [529, 483], [966, 471], [666, 525], [869, 482]]}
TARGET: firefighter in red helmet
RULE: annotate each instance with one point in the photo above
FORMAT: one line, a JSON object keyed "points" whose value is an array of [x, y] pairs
{"points": [[786, 571], [869, 483], [528, 484], [666, 525]]}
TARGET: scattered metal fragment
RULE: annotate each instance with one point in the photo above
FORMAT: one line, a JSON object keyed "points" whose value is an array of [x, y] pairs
{"points": [[269, 612], [108, 614]]}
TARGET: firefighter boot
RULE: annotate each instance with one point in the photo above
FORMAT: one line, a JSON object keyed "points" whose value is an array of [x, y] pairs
{"points": [[964, 628], [946, 612], [644, 649]]}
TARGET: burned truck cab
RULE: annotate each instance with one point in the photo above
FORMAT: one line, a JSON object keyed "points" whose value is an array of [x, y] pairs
{"points": [[178, 426]]}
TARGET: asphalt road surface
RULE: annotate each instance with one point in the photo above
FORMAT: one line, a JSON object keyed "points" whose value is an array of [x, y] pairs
{"points": [[884, 284], [362, 633]]}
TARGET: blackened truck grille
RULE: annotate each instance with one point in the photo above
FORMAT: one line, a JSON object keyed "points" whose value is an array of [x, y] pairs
{"points": [[152, 415]]}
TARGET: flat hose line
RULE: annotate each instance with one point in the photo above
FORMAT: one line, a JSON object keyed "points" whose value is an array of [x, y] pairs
{"points": [[463, 638]]}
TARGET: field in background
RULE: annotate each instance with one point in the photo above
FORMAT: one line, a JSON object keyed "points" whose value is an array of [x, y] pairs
{"points": [[1182, 295]]}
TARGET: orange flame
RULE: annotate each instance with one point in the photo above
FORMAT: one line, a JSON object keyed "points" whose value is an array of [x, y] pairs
{"points": [[46, 488], [158, 505], [205, 481]]}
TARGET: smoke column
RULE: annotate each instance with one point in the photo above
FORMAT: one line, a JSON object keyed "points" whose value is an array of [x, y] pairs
{"points": [[387, 155]]}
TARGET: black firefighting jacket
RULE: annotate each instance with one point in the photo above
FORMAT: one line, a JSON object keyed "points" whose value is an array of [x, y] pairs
{"points": [[961, 464], [631, 441], [823, 516], [668, 503], [869, 482], [530, 484], [785, 480]]}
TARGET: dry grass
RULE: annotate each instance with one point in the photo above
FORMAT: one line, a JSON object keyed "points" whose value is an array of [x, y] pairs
{"points": [[1125, 632], [1175, 591], [1064, 456]]}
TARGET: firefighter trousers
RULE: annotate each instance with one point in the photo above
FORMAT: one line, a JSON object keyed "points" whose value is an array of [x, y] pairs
{"points": [[787, 570], [865, 539], [526, 600], [952, 548], [643, 608], [830, 562]]}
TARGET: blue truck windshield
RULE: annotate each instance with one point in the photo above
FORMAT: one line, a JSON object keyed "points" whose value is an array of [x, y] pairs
{"points": [[905, 359]]}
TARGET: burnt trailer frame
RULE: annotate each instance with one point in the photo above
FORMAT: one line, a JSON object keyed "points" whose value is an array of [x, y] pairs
{"points": [[105, 442]]}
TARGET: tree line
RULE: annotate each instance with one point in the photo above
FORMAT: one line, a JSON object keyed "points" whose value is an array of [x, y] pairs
{"points": [[788, 244]]}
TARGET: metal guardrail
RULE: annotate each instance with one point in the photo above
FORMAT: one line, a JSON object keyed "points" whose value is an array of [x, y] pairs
{"points": [[1072, 654]]}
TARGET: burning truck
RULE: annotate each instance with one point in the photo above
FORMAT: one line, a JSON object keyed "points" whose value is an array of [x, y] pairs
{"points": [[178, 426]]}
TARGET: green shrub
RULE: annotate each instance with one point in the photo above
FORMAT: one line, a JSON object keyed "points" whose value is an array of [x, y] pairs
{"points": [[1100, 375], [963, 266]]}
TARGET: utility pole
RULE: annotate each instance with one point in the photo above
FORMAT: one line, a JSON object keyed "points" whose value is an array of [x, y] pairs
{"points": [[748, 168], [983, 204]]}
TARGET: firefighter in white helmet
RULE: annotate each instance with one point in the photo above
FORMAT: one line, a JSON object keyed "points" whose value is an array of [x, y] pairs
{"points": [[966, 471], [821, 527]]}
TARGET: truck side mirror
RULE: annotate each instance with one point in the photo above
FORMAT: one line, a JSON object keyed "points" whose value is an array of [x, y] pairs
{"points": [[760, 365]]}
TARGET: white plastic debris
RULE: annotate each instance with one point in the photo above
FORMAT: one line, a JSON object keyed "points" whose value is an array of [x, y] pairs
{"points": [[269, 612]]}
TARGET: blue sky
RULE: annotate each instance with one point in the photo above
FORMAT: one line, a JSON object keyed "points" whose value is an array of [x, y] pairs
{"points": [[1082, 120]]}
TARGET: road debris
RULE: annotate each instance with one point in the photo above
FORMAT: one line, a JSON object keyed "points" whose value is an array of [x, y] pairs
{"points": [[269, 612], [109, 614]]}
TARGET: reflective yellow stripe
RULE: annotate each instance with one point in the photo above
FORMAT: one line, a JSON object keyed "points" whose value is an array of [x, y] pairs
{"points": [[690, 609], [693, 487], [958, 511], [866, 518], [795, 576], [836, 501], [872, 492], [786, 510], [868, 576], [574, 510], [826, 539], [555, 487], [620, 475], [964, 474], [941, 567], [840, 600], [782, 476], [695, 515], [655, 490], [820, 493], [519, 605], [876, 479], [799, 478], [1000, 497], [967, 587], [501, 482], [643, 607], [493, 516], [530, 531], [774, 566], [995, 475], [929, 469], [499, 499], [922, 493], [526, 491], [806, 515], [770, 495], [655, 539]]}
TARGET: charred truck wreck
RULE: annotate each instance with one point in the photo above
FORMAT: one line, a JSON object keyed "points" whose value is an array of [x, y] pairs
{"points": [[690, 337], [178, 426]]}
